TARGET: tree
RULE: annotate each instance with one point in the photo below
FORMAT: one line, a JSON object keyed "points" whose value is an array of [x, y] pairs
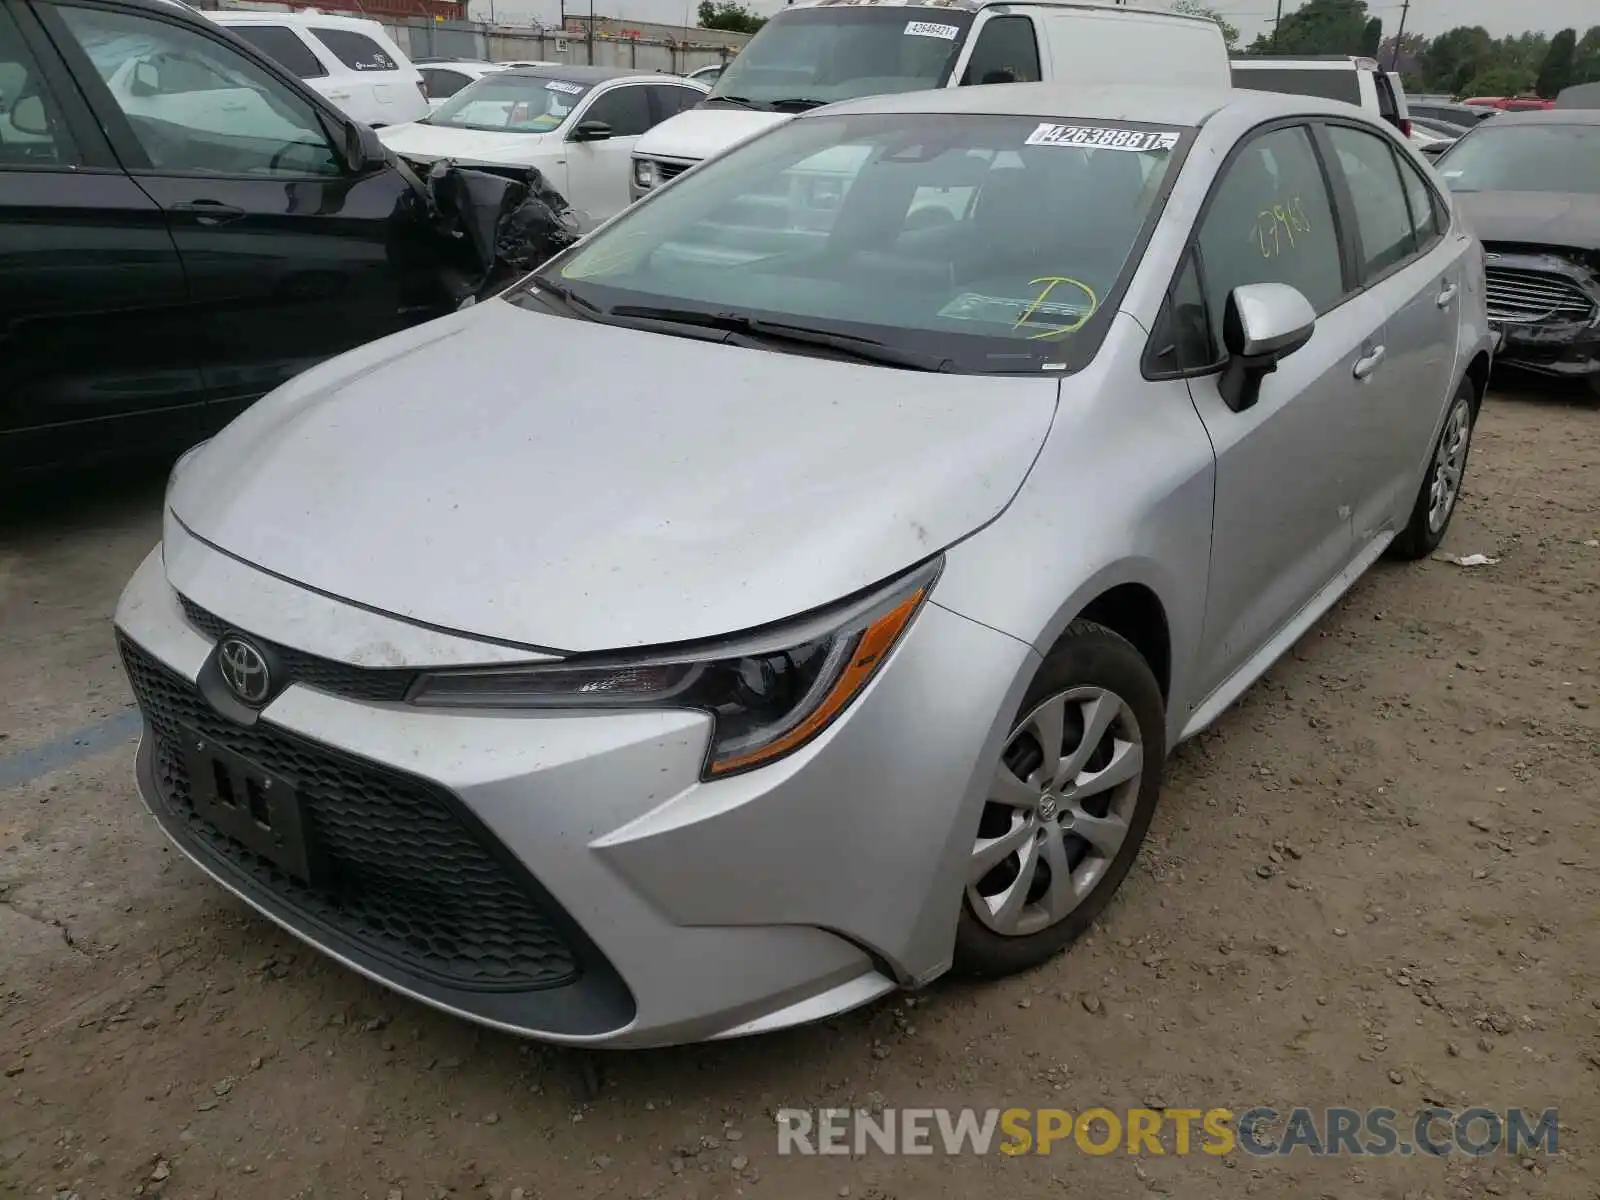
{"points": [[1318, 27], [1454, 58], [1404, 54], [1194, 8], [1586, 61], [1500, 80], [1372, 37], [729, 15], [1559, 61]]}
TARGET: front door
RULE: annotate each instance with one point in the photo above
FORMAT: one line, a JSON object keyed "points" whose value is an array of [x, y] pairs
{"points": [[597, 171], [94, 357], [289, 258], [1287, 482]]}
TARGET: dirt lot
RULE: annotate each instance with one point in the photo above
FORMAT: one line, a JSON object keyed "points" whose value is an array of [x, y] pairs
{"points": [[1375, 882]]}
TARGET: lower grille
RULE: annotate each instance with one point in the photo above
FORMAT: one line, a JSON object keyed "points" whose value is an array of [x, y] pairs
{"points": [[670, 170], [410, 877], [324, 674], [1529, 297]]}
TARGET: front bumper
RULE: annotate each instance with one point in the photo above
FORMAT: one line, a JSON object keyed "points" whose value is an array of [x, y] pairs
{"points": [[1564, 343], [569, 877]]}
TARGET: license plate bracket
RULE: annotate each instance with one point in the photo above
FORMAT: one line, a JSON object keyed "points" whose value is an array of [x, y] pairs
{"points": [[250, 804]]}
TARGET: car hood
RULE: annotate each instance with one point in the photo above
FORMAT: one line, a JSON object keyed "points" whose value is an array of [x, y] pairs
{"points": [[430, 142], [576, 487], [702, 132], [1533, 218]]}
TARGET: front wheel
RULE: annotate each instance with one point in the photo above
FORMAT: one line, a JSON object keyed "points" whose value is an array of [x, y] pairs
{"points": [[1069, 803], [1441, 486]]}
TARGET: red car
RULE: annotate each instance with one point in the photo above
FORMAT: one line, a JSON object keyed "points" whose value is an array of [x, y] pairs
{"points": [[1512, 103]]}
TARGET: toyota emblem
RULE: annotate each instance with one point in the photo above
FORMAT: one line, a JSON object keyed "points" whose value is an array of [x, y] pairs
{"points": [[244, 669]]}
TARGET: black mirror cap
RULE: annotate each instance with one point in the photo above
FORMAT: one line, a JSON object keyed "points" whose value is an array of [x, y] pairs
{"points": [[363, 149], [591, 131]]}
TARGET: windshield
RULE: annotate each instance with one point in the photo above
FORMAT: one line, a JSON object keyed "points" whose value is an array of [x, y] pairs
{"points": [[510, 103], [839, 53], [992, 242], [1525, 158]]}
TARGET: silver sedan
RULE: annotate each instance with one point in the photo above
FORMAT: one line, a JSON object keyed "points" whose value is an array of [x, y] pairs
{"points": [[792, 592]]}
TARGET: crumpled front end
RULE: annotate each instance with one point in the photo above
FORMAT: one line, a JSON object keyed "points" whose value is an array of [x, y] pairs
{"points": [[1545, 304]]}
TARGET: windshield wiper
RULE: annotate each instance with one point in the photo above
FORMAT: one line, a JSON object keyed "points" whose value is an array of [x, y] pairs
{"points": [[798, 103], [548, 287], [739, 101], [780, 333]]}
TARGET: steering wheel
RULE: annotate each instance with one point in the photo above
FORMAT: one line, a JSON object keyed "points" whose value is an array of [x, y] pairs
{"points": [[278, 157]]}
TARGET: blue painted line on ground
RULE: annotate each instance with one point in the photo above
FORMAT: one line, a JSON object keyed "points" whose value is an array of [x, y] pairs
{"points": [[27, 765]]}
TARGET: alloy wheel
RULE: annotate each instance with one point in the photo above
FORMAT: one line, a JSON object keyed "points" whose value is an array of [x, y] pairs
{"points": [[1449, 464], [1059, 809]]}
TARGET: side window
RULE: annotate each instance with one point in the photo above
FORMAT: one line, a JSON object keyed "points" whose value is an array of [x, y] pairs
{"points": [[1007, 52], [245, 122], [625, 109], [1182, 339], [282, 45], [32, 132], [1424, 205], [1370, 170], [1270, 221], [443, 84], [355, 50], [669, 101]]}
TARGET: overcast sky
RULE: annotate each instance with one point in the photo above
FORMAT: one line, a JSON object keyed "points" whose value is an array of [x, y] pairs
{"points": [[1252, 16]]}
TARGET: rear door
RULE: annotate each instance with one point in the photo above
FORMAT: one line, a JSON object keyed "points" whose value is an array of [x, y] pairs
{"points": [[377, 88], [288, 257], [1408, 273], [96, 342], [1288, 469]]}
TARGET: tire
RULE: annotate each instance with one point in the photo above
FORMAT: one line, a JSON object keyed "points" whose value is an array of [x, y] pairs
{"points": [[1428, 525], [1091, 677]]}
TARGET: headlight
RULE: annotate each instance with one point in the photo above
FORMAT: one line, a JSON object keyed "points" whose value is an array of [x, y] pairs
{"points": [[645, 174], [768, 694]]}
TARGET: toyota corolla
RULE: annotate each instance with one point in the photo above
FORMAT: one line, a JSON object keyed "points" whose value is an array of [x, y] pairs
{"points": [[510, 663]]}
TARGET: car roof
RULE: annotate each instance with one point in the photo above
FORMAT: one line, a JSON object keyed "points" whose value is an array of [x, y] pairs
{"points": [[1549, 116], [242, 16], [1099, 6], [581, 74], [1181, 106]]}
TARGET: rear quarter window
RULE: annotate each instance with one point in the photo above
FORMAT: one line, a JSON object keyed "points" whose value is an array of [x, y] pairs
{"points": [[283, 46], [356, 50], [1329, 85]]}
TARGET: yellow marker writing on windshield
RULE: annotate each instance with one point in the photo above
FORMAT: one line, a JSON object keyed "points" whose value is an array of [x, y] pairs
{"points": [[1051, 282]]}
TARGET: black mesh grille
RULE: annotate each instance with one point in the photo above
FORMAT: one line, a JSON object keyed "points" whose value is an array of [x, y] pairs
{"points": [[339, 679], [407, 878]]}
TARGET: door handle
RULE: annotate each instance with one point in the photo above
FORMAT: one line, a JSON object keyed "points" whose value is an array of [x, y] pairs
{"points": [[338, 95], [1447, 295], [1369, 362], [208, 212]]}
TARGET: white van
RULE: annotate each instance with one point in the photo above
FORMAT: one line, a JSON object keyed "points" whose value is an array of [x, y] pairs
{"points": [[350, 60], [1355, 80], [815, 52]]}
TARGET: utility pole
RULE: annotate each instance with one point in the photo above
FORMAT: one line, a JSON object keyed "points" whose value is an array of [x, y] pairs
{"points": [[1277, 20], [1394, 59]]}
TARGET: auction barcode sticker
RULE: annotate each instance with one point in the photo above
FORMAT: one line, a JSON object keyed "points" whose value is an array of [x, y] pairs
{"points": [[1137, 140], [932, 29], [561, 85]]}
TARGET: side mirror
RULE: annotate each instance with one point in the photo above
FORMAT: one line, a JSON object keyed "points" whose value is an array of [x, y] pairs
{"points": [[27, 116], [146, 79], [591, 131], [1263, 325], [363, 149]]}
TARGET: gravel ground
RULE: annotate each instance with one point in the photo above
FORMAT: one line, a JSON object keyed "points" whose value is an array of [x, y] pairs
{"points": [[1375, 882]]}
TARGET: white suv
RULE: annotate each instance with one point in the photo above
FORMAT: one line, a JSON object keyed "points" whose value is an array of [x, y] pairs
{"points": [[350, 60]]}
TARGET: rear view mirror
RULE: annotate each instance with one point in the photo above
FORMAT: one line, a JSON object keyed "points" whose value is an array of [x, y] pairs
{"points": [[146, 79], [591, 131], [27, 116], [363, 149], [1263, 325]]}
